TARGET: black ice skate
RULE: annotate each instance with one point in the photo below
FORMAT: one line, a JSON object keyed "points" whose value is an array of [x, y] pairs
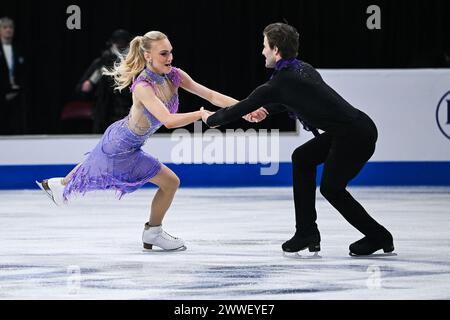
{"points": [[369, 245], [300, 242]]}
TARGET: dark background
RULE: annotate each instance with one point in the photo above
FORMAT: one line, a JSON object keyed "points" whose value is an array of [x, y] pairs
{"points": [[219, 42]]}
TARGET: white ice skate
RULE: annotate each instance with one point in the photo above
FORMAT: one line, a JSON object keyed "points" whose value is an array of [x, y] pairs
{"points": [[54, 189], [156, 236]]}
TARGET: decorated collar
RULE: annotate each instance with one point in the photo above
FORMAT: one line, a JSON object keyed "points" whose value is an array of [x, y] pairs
{"points": [[286, 63], [159, 79]]}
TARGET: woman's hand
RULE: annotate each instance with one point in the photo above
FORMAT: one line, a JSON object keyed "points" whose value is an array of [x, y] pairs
{"points": [[205, 114]]}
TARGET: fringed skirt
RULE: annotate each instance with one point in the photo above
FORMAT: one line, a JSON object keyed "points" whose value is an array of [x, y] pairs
{"points": [[116, 163]]}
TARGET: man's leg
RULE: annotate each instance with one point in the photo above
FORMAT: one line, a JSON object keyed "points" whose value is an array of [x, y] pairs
{"points": [[345, 161], [304, 166]]}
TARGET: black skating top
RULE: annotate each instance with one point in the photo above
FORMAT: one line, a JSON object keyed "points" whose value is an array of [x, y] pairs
{"points": [[300, 91]]}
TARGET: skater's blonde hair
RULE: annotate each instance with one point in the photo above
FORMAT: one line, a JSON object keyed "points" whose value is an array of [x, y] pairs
{"points": [[125, 71]]}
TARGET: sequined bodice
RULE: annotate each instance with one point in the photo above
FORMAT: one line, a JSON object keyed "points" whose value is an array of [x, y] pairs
{"points": [[140, 120]]}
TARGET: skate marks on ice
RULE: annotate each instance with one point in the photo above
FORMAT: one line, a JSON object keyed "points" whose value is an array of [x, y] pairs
{"points": [[265, 274], [93, 249], [302, 255], [209, 278], [156, 250], [375, 255]]}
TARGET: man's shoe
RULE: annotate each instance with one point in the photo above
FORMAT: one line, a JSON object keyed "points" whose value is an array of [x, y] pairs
{"points": [[300, 242], [369, 245]]}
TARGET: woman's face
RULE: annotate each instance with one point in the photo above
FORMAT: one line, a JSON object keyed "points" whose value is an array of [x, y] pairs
{"points": [[160, 57]]}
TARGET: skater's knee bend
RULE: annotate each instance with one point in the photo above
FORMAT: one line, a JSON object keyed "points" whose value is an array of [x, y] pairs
{"points": [[170, 184], [331, 192], [300, 158], [296, 155]]}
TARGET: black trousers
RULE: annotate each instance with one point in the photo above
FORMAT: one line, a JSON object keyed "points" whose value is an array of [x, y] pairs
{"points": [[343, 155]]}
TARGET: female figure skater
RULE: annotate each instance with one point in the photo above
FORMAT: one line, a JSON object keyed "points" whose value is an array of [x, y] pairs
{"points": [[117, 162]]}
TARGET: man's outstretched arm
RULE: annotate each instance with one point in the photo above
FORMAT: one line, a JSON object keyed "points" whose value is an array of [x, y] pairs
{"points": [[261, 96]]}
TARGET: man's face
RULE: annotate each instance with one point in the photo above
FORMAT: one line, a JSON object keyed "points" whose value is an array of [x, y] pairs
{"points": [[270, 54], [7, 30]]}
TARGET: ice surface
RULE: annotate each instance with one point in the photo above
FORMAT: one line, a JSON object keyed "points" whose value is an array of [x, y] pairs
{"points": [[92, 248]]}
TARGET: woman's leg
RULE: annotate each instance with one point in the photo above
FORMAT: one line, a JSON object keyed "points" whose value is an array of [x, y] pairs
{"points": [[54, 187], [168, 183], [153, 234], [70, 174], [63, 181]]}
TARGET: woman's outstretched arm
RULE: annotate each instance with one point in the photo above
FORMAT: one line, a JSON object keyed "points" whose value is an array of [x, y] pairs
{"points": [[159, 110]]}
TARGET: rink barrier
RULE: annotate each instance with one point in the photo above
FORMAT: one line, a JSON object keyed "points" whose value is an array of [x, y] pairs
{"points": [[398, 173]]}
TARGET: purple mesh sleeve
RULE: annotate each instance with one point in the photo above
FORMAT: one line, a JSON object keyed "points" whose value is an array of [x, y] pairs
{"points": [[175, 77], [141, 79]]}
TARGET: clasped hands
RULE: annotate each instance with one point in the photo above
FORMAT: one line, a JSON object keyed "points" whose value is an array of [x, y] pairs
{"points": [[256, 116]]}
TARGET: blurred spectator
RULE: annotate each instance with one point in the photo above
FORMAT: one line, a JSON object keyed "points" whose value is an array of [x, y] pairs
{"points": [[12, 108], [109, 106]]}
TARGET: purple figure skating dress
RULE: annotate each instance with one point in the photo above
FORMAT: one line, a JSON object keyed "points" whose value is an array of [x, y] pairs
{"points": [[117, 162]]}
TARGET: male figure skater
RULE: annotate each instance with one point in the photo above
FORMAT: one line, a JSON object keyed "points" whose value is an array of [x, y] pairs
{"points": [[346, 144]]}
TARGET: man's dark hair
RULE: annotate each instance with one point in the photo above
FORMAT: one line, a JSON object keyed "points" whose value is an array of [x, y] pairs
{"points": [[284, 37]]}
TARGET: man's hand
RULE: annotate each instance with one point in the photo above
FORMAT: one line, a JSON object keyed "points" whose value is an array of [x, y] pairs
{"points": [[256, 116]]}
